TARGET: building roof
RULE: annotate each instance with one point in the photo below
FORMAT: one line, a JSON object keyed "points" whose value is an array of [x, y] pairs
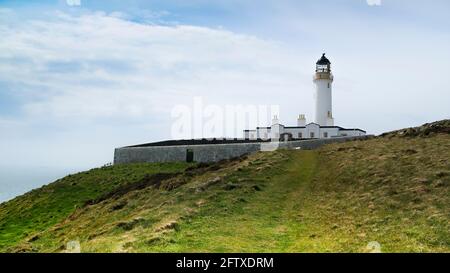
{"points": [[326, 127], [323, 60], [203, 141]]}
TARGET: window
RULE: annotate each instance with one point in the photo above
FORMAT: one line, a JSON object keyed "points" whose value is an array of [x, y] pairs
{"points": [[328, 85], [311, 135], [325, 134], [300, 135], [322, 68]]}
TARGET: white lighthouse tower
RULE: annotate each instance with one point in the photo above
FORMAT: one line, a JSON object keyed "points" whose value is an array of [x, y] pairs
{"points": [[323, 125], [323, 78]]}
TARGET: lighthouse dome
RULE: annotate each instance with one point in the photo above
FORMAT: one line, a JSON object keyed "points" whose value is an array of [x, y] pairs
{"points": [[323, 60]]}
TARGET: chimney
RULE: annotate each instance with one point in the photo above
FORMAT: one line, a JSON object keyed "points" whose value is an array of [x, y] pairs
{"points": [[301, 121], [275, 120]]}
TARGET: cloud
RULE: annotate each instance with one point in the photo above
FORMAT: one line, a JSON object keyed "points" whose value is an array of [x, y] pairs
{"points": [[373, 2], [73, 2], [73, 87], [98, 65], [84, 84]]}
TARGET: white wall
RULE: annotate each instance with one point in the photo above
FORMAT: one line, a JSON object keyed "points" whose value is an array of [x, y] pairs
{"points": [[312, 128], [263, 133], [276, 131], [319, 132], [296, 131], [323, 100], [252, 134], [332, 132], [351, 133]]}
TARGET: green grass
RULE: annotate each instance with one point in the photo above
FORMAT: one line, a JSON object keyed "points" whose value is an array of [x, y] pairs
{"points": [[44, 207], [263, 221], [394, 191]]}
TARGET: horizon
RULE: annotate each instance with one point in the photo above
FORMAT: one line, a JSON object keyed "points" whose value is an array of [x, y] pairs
{"points": [[80, 78]]}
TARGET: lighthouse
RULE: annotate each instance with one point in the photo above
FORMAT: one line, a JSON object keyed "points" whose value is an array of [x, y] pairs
{"points": [[323, 79], [323, 126]]}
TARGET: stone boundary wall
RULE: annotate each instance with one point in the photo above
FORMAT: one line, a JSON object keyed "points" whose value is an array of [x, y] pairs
{"points": [[215, 152], [317, 143], [202, 153]]}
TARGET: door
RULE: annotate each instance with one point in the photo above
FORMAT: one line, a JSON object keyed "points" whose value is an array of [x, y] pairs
{"points": [[189, 155]]}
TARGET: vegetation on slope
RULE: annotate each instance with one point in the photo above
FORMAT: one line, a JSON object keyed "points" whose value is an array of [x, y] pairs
{"points": [[39, 209], [393, 190]]}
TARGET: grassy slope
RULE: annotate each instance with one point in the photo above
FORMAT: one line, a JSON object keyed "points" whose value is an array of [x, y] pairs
{"points": [[394, 191], [391, 190], [42, 208]]}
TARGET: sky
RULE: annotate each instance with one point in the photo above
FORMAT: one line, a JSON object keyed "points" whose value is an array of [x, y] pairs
{"points": [[79, 78]]}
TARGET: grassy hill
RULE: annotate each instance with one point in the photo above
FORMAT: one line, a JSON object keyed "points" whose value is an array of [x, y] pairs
{"points": [[392, 189]]}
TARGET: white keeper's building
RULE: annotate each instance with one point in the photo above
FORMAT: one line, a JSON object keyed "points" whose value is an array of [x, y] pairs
{"points": [[323, 125]]}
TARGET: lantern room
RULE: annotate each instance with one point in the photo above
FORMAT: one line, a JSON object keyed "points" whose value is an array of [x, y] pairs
{"points": [[323, 65]]}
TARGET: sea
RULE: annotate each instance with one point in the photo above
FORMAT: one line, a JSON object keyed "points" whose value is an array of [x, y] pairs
{"points": [[15, 181]]}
